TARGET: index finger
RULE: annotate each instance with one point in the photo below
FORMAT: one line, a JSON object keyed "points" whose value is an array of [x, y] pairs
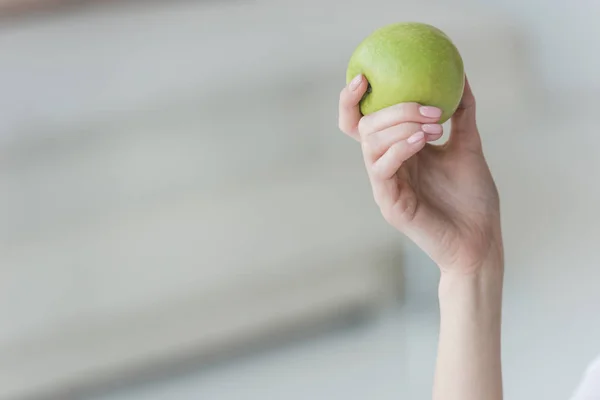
{"points": [[349, 109]]}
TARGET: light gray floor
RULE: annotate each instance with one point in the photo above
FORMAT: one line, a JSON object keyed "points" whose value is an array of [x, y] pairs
{"points": [[548, 172]]}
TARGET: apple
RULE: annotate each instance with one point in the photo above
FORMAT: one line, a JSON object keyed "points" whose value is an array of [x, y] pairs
{"points": [[409, 62]]}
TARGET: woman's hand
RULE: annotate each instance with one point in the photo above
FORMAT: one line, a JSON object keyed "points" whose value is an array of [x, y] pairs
{"points": [[443, 197], [445, 200]]}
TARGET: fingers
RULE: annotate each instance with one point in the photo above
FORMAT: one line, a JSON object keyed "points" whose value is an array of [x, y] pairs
{"points": [[391, 136], [397, 114], [376, 144], [352, 122], [390, 162], [349, 109], [388, 139]]}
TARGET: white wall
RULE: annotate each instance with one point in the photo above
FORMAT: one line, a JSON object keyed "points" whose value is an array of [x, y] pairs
{"points": [[565, 37]]}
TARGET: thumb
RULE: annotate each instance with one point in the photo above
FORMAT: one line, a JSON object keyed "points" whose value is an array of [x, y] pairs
{"points": [[464, 131]]}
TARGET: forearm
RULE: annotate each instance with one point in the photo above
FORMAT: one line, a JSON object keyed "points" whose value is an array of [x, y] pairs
{"points": [[469, 361]]}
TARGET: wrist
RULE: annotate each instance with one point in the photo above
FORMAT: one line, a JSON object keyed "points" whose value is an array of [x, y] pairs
{"points": [[490, 258], [489, 268], [479, 290]]}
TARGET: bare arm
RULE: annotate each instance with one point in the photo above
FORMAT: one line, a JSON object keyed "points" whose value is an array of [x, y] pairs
{"points": [[468, 364]]}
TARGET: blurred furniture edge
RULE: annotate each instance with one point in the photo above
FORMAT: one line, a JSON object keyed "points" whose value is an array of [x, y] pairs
{"points": [[335, 257], [197, 278], [82, 357], [20, 8]]}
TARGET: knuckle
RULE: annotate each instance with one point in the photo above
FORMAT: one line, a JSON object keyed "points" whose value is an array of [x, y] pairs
{"points": [[363, 125], [408, 111], [343, 95], [378, 174], [401, 108]]}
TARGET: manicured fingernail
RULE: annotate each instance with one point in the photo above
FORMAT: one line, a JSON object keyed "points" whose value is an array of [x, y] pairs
{"points": [[416, 137], [355, 83], [430, 112], [434, 129]]}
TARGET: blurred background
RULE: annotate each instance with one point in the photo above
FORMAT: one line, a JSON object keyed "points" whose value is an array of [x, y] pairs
{"points": [[181, 219]]}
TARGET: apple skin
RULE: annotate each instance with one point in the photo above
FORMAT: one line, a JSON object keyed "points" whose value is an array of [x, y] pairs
{"points": [[409, 62]]}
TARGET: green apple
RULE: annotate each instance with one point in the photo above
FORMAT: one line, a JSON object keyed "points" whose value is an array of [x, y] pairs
{"points": [[409, 62]]}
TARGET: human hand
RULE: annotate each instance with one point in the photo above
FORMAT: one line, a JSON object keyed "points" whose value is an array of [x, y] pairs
{"points": [[443, 197]]}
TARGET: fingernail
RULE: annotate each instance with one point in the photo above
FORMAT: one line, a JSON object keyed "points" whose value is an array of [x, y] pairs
{"points": [[355, 83], [434, 129], [430, 112], [416, 137]]}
